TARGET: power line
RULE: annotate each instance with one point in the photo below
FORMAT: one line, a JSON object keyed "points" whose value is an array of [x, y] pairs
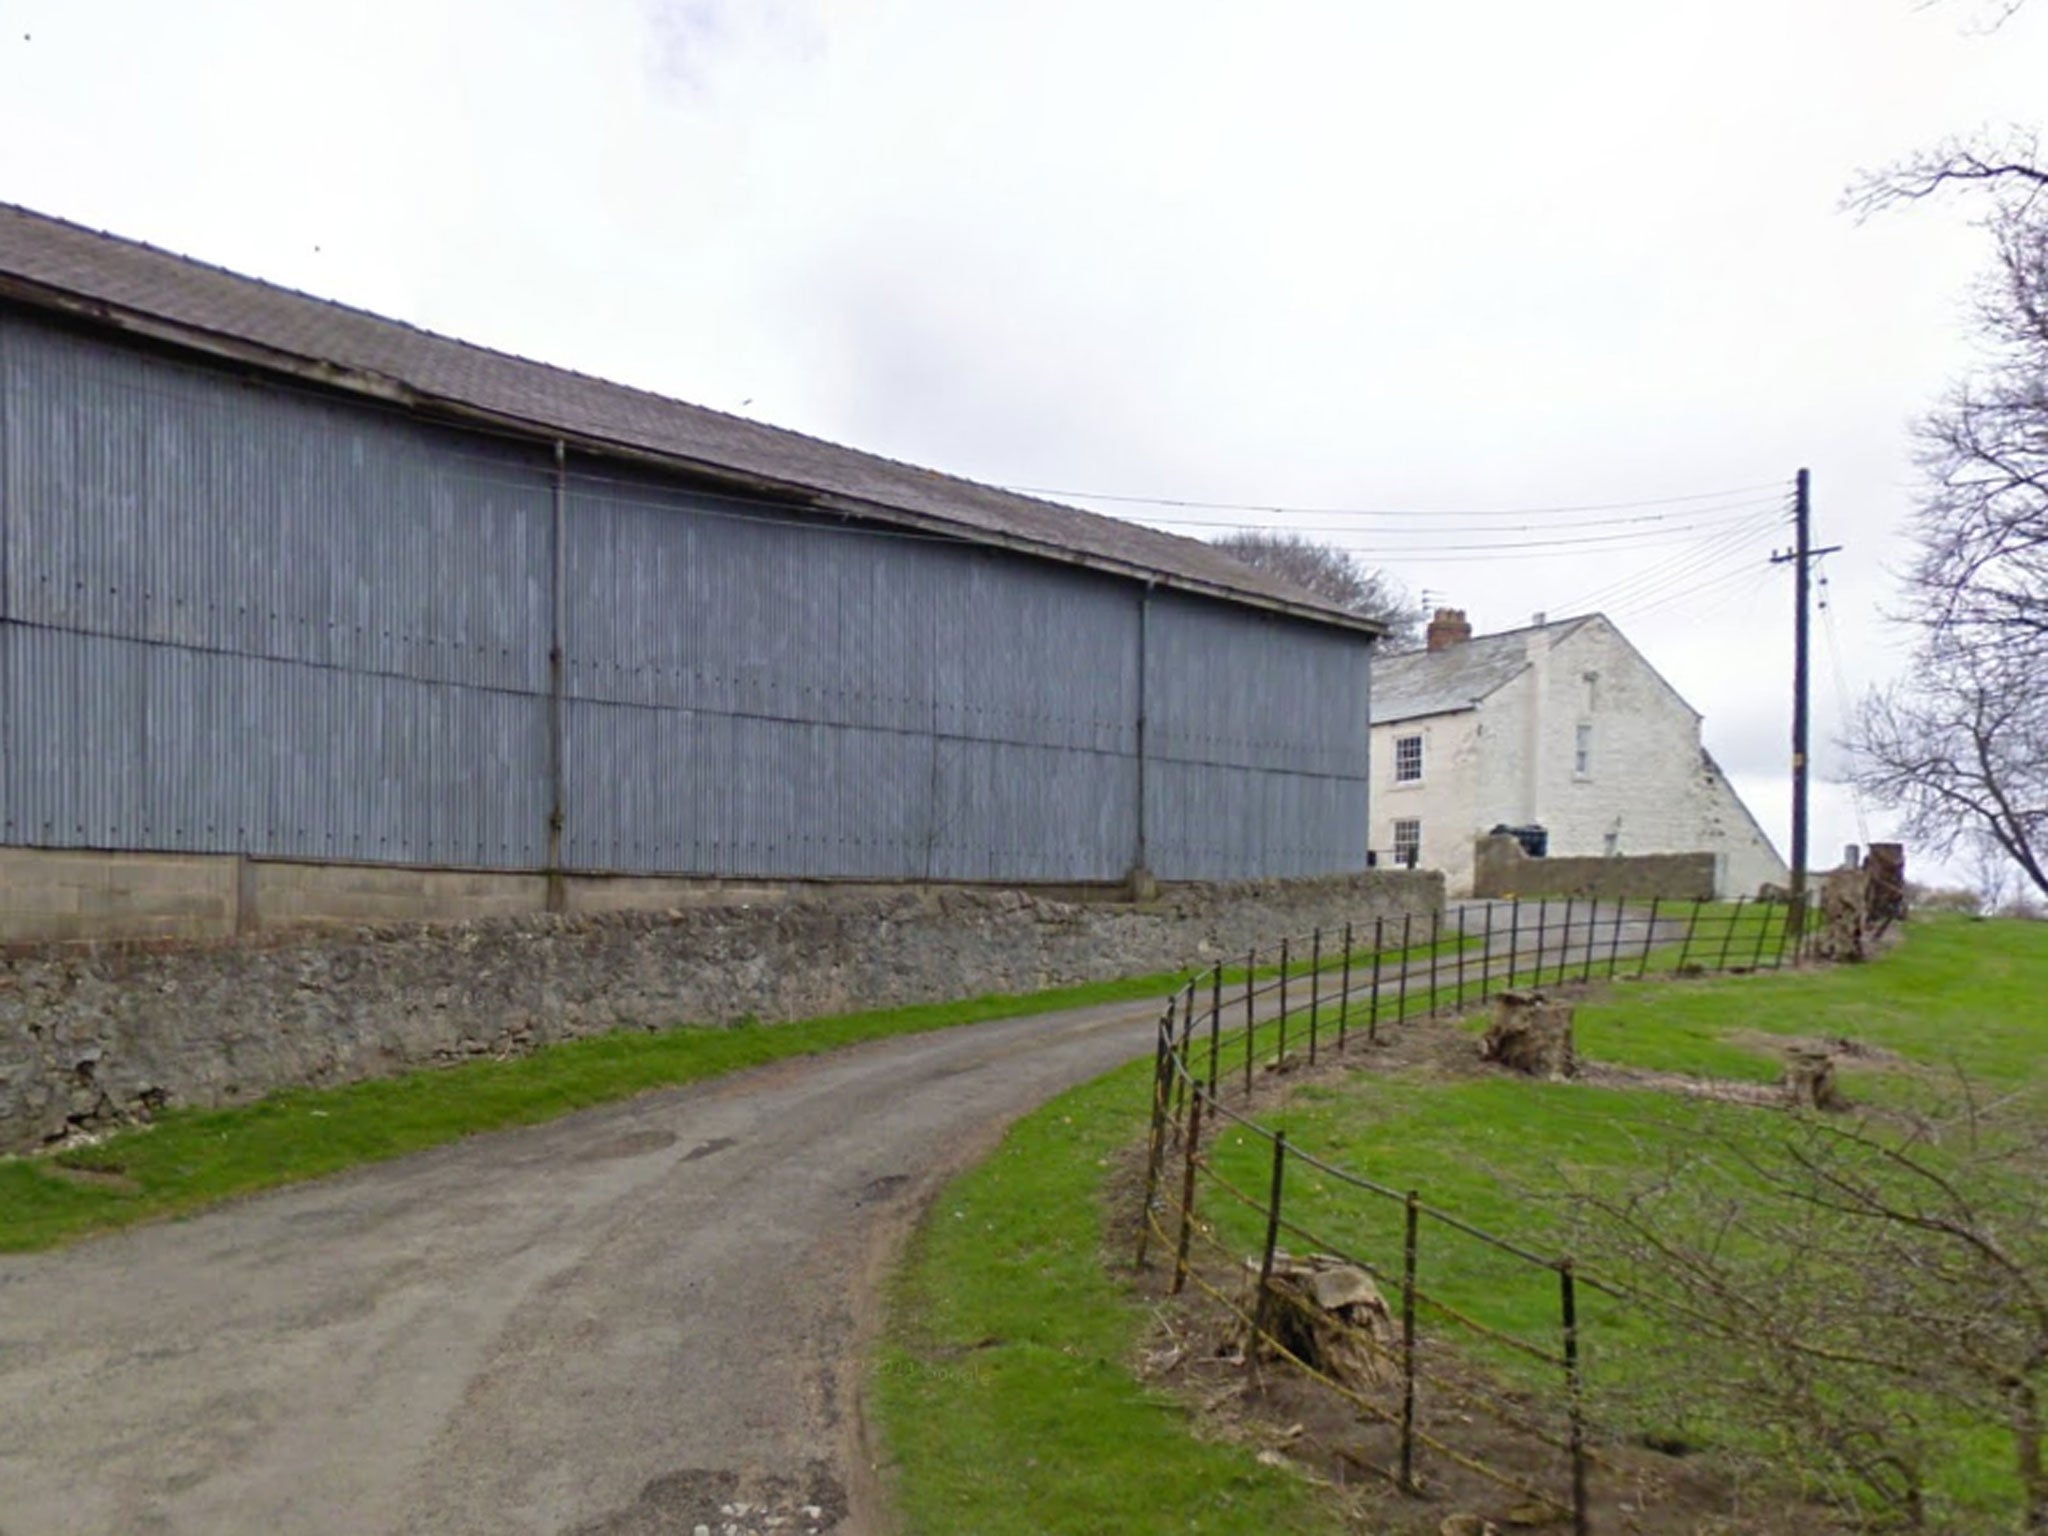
{"points": [[1696, 556], [1734, 594], [1279, 507], [1677, 585], [1634, 539], [1744, 570], [1371, 552], [1702, 555], [1731, 509]]}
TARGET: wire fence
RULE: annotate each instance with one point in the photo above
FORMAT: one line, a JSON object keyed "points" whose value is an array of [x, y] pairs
{"points": [[1400, 1355]]}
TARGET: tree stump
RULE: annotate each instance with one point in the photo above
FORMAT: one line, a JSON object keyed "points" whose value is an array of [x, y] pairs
{"points": [[1530, 1034], [1327, 1314], [1810, 1078], [1885, 895], [1840, 933]]}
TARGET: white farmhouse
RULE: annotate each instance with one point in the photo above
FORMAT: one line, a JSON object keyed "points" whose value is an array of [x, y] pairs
{"points": [[1561, 725]]}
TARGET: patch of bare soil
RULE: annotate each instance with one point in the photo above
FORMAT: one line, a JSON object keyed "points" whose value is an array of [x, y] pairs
{"points": [[114, 1180], [1724, 1090], [1842, 1047], [1809, 1059]]}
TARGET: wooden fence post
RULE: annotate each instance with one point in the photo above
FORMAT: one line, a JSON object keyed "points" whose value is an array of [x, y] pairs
{"points": [[1187, 1191], [1728, 938], [1157, 1147], [1407, 943], [1692, 924], [1315, 991], [1414, 1211], [1280, 1055], [1251, 1019], [1344, 986], [1260, 1304], [1379, 952], [1568, 1306], [1215, 1023]]}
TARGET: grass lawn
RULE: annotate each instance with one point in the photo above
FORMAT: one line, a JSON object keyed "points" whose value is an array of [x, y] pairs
{"points": [[1503, 1153], [1007, 1310], [1958, 993]]}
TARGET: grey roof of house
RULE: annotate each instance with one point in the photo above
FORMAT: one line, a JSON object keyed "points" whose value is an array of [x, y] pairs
{"points": [[1410, 684], [52, 264]]}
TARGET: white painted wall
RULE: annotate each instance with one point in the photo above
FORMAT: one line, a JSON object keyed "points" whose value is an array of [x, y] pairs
{"points": [[1442, 801], [1647, 788]]}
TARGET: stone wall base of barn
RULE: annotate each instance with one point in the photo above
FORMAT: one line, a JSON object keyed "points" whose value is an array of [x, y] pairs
{"points": [[101, 1033]]}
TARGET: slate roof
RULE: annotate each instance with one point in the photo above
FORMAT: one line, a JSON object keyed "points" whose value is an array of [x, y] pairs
{"points": [[1409, 684], [53, 264]]}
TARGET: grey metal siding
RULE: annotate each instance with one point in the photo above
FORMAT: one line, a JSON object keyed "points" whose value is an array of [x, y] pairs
{"points": [[236, 616], [158, 502], [816, 698], [1258, 727], [114, 743], [246, 619]]}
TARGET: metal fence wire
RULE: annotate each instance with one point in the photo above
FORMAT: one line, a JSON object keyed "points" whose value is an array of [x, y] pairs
{"points": [[1311, 993]]}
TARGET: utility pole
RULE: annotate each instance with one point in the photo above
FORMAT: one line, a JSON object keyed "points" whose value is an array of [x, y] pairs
{"points": [[1801, 558]]}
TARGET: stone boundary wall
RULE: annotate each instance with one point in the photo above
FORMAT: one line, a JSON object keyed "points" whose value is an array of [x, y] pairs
{"points": [[1501, 869], [92, 1035]]}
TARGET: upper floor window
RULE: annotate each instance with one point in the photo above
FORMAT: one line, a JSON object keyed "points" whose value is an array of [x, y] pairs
{"points": [[1407, 759], [1582, 752]]}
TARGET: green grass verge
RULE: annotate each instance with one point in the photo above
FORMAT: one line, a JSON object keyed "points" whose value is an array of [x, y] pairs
{"points": [[1003, 1392], [194, 1158], [190, 1159]]}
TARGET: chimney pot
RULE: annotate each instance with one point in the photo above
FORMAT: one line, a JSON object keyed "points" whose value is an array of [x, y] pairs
{"points": [[1448, 628]]}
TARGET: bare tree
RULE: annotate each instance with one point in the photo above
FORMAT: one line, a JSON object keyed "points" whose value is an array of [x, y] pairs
{"points": [[1864, 1296], [1961, 744], [1333, 574]]}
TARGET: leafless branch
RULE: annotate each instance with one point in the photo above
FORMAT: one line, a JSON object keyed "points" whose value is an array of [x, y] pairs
{"points": [[1331, 573]]}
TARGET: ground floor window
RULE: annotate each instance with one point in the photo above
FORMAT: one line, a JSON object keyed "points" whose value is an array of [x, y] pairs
{"points": [[1407, 843]]}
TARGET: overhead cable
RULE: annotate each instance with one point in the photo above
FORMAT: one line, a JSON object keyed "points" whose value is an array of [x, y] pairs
{"points": [[1327, 511]]}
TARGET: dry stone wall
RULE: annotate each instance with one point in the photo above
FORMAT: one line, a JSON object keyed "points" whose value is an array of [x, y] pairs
{"points": [[1502, 869], [96, 1035]]}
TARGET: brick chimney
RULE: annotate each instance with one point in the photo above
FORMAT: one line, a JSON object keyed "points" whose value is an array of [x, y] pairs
{"points": [[1448, 628]]}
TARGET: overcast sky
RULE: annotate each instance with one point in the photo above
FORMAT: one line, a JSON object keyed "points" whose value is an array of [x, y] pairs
{"points": [[1410, 266]]}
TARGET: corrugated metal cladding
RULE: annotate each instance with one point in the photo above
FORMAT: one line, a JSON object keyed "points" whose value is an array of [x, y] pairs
{"points": [[242, 616], [1253, 728]]}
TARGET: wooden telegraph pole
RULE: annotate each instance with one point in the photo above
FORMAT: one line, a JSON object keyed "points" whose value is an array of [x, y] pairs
{"points": [[1801, 558]]}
